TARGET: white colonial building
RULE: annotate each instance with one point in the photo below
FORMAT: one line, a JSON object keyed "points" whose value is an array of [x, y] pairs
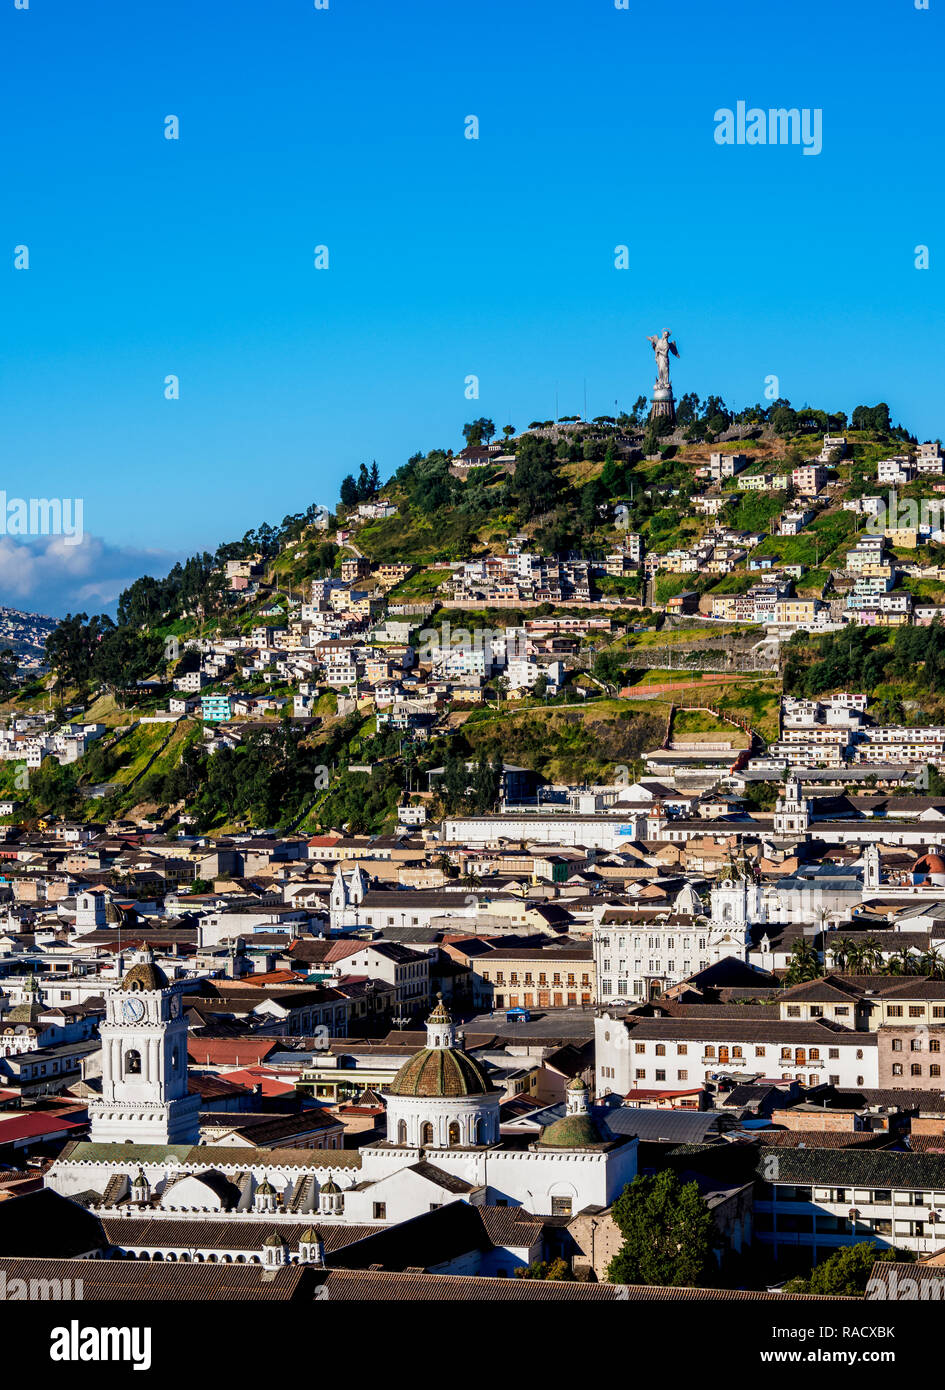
{"points": [[641, 958], [443, 1141]]}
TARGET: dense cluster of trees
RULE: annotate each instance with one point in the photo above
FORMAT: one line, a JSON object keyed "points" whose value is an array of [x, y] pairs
{"points": [[269, 778], [863, 658], [83, 651], [856, 658], [845, 1272], [471, 791]]}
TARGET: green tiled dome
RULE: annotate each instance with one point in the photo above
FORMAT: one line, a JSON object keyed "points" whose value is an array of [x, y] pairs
{"points": [[571, 1132], [440, 1071]]}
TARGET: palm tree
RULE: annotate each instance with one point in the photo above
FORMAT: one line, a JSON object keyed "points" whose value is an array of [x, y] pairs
{"points": [[902, 963], [872, 957], [805, 963], [855, 956], [932, 964], [840, 952]]}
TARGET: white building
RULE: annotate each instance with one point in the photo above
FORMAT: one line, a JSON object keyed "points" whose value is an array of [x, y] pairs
{"points": [[443, 1145], [636, 1052]]}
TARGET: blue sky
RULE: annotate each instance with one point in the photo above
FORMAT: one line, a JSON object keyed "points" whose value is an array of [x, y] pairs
{"points": [[448, 256]]}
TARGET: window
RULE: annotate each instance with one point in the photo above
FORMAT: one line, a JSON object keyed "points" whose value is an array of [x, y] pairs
{"points": [[682, 1075], [682, 1049], [132, 1063], [561, 1206], [660, 1074], [897, 1069], [661, 1049], [426, 1133], [380, 1211]]}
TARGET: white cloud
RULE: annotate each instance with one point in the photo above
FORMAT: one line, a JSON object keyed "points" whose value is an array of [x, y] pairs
{"points": [[48, 575]]}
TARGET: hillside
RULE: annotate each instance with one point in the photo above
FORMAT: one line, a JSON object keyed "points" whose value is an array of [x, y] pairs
{"points": [[579, 491]]}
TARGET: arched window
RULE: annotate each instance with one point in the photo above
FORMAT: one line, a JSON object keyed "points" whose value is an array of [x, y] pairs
{"points": [[426, 1133], [132, 1063], [174, 1059], [479, 1130], [453, 1134], [402, 1132]]}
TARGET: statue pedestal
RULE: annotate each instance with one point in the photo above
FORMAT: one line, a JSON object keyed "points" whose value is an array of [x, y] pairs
{"points": [[662, 404]]}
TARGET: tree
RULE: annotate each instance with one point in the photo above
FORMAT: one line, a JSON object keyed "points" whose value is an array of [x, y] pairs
{"points": [[804, 965], [123, 657], [655, 430], [687, 410], [479, 431], [936, 782], [71, 647], [873, 418], [349, 491], [609, 666], [8, 670], [846, 1271], [840, 952], [668, 1234]]}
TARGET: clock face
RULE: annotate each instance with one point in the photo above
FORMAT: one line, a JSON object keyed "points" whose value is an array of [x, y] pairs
{"points": [[132, 1010]]}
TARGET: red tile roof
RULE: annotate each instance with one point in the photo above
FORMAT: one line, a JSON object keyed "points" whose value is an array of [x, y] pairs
{"points": [[269, 1082], [230, 1052], [17, 1129]]}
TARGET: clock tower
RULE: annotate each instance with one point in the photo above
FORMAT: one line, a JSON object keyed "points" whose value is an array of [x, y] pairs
{"points": [[144, 1064]]}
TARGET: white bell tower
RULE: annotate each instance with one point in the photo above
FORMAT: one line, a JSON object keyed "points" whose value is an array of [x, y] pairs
{"points": [[793, 810], [144, 1064], [871, 868]]}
